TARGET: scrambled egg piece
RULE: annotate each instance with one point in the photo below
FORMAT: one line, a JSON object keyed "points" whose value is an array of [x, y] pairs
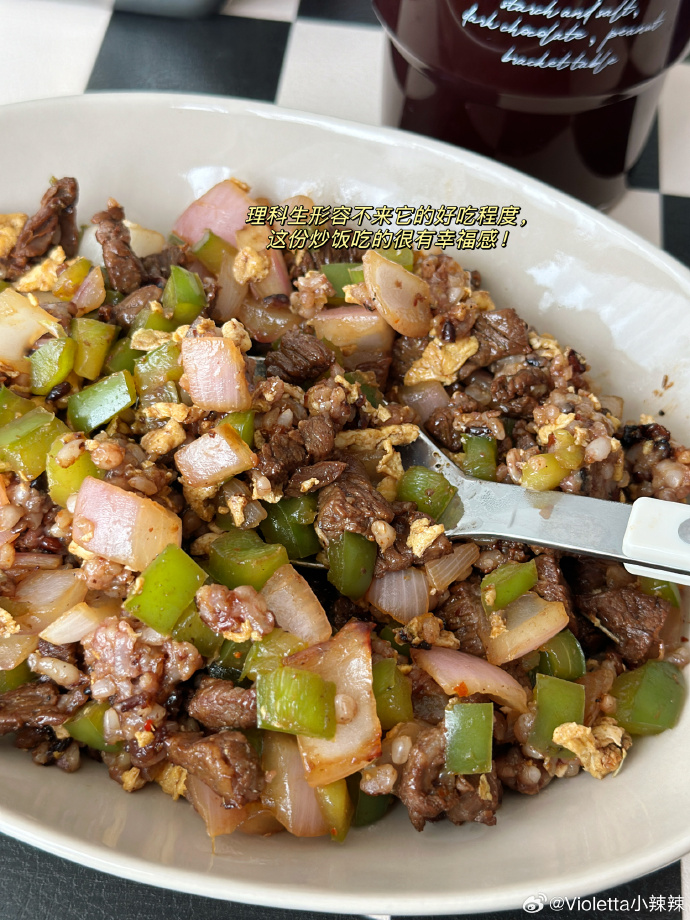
{"points": [[144, 738], [391, 462], [600, 749], [498, 624], [8, 624], [42, 277], [545, 345], [484, 789], [371, 438], [131, 781], [198, 499], [176, 411], [202, 544], [172, 780], [563, 420], [422, 535], [235, 331], [158, 442], [428, 628], [148, 339], [11, 225], [250, 266], [441, 361]]}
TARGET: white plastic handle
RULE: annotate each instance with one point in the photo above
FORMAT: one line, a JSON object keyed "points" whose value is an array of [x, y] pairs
{"points": [[658, 533]]}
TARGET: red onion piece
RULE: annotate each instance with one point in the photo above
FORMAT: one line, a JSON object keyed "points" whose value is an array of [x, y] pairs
{"points": [[222, 209], [230, 292], [122, 526], [45, 595], [214, 368], [74, 624], [214, 457], [287, 793], [360, 332], [219, 820], [460, 674], [453, 567], [346, 660], [401, 298], [425, 398], [91, 292], [403, 595], [260, 821], [295, 606], [530, 622], [266, 322]]}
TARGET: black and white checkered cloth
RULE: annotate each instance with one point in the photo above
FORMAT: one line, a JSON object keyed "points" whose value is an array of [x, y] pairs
{"points": [[322, 56]]}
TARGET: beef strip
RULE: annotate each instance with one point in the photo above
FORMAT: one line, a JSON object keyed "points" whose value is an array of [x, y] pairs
{"points": [[299, 358], [429, 700], [633, 618], [125, 312], [428, 791], [440, 427], [400, 555], [218, 704], [318, 433], [520, 773], [517, 395], [157, 266], [552, 586], [462, 614], [406, 351], [226, 762], [314, 477], [32, 705], [500, 333], [351, 503], [53, 223], [66, 653], [125, 269], [281, 456], [240, 610]]}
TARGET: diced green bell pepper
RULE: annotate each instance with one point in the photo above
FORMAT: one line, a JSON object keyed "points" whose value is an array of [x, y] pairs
{"points": [[480, 457], [93, 340], [12, 406], [230, 661], [191, 628], [211, 250], [289, 522], [389, 634], [150, 318], [296, 702], [243, 423], [10, 680], [99, 403], [393, 692], [269, 653], [183, 295], [469, 737], [341, 274], [113, 297], [372, 393], [51, 364], [542, 473], [25, 442], [64, 481], [654, 587], [429, 489], [86, 725], [154, 373], [562, 657], [404, 256], [122, 357], [649, 699], [558, 701], [165, 589], [368, 808], [351, 561], [506, 583], [569, 454], [69, 280], [336, 807], [240, 557]]}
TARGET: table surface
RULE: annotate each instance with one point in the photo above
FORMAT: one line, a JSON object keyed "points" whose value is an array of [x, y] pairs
{"points": [[323, 56]]}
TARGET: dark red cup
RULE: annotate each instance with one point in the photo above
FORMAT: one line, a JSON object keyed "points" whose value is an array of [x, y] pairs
{"points": [[566, 92]]}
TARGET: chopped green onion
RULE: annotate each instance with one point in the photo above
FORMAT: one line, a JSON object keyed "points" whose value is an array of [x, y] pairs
{"points": [[558, 701], [240, 557], [51, 364], [165, 589], [429, 489], [296, 702], [393, 692], [351, 561], [507, 583], [99, 403], [562, 657], [469, 737], [650, 698]]}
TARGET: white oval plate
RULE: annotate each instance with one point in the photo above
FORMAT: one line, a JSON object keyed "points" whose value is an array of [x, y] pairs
{"points": [[570, 271]]}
